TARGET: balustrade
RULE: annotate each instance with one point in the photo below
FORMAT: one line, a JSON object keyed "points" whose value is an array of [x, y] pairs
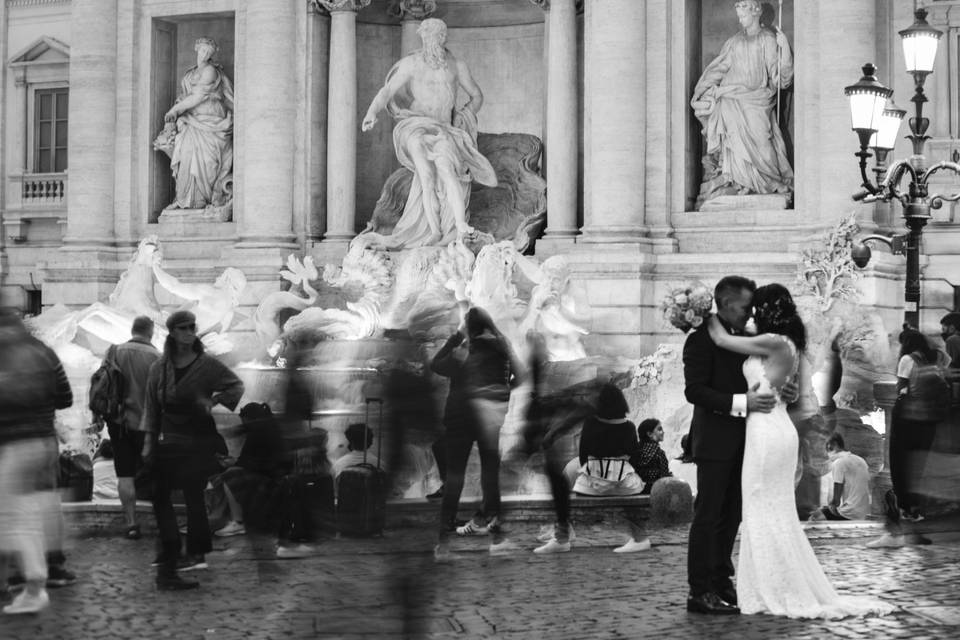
{"points": [[42, 189]]}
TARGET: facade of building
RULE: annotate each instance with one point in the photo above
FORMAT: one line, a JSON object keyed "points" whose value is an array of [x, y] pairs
{"points": [[606, 84]]}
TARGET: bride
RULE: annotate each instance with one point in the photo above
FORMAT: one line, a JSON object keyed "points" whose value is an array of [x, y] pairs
{"points": [[777, 570]]}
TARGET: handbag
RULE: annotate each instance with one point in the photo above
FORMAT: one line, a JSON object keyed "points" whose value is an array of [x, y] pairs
{"points": [[608, 477]]}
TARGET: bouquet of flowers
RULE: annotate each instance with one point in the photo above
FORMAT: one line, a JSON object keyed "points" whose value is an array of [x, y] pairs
{"points": [[687, 307]]}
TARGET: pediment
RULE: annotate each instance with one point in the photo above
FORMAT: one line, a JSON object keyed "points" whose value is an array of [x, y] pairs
{"points": [[44, 50]]}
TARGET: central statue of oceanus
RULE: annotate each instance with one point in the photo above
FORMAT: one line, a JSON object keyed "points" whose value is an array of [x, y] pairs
{"points": [[434, 141]]}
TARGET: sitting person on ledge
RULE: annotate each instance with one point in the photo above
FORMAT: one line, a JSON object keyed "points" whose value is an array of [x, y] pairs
{"points": [[607, 442], [262, 462], [851, 484], [649, 461]]}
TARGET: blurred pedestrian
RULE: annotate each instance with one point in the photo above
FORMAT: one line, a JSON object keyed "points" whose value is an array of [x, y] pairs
{"points": [[33, 385], [480, 384], [134, 359], [922, 399], [182, 388]]}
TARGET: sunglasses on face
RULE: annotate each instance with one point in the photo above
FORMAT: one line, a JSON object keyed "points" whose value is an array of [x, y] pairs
{"points": [[186, 327]]}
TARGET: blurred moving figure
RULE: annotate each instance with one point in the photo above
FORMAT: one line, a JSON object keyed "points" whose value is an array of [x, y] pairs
{"points": [[33, 385], [923, 398], [134, 359], [950, 332], [480, 383], [182, 388], [258, 469]]}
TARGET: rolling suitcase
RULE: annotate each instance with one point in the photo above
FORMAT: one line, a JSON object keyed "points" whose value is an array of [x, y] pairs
{"points": [[309, 507], [362, 491]]}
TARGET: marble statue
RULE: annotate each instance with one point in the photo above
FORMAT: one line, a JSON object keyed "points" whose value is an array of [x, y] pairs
{"points": [[198, 137], [515, 209], [433, 139], [735, 101], [269, 314], [214, 305], [557, 310]]}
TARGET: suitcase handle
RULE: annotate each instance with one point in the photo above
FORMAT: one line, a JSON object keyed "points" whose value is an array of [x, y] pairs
{"points": [[366, 445]]}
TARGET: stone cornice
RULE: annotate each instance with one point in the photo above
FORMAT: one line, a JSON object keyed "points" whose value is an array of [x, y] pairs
{"points": [[412, 9], [33, 3], [334, 6]]}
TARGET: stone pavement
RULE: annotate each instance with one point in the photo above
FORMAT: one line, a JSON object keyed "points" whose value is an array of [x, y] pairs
{"points": [[391, 588]]}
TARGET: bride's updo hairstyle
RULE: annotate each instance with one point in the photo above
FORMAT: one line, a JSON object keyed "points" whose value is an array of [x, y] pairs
{"points": [[775, 312]]}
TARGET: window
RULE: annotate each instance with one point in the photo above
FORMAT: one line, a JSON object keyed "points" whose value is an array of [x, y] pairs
{"points": [[50, 130]]}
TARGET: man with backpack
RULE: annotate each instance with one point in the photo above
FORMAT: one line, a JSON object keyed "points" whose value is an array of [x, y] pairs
{"points": [[133, 359]]}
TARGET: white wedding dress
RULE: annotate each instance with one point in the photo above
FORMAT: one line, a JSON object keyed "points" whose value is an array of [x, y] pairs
{"points": [[777, 571]]}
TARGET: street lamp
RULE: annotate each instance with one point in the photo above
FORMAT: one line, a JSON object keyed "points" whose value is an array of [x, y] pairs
{"points": [[876, 120]]}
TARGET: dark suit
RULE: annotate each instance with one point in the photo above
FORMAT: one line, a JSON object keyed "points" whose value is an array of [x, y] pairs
{"points": [[713, 376]]}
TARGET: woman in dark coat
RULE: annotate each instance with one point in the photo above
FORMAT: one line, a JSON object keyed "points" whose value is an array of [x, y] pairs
{"points": [[182, 387]]}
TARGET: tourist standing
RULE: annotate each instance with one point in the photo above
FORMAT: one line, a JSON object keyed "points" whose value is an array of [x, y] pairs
{"points": [[182, 388], [134, 359]]}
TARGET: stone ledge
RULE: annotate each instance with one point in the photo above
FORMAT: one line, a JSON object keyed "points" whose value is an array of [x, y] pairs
{"points": [[418, 512]]}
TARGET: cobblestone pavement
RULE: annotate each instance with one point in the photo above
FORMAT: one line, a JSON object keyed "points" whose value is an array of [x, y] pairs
{"points": [[391, 588]]}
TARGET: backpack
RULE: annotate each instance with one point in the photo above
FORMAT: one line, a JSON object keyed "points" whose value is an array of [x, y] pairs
{"points": [[928, 396], [107, 390]]}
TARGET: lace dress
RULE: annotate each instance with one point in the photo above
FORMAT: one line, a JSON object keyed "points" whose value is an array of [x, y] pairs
{"points": [[777, 570]]}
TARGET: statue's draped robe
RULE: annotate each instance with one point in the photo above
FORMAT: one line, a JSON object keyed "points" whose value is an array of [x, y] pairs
{"points": [[202, 158], [735, 100], [455, 142]]}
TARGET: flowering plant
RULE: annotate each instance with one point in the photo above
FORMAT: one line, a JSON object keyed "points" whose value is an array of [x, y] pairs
{"points": [[687, 307], [649, 370]]}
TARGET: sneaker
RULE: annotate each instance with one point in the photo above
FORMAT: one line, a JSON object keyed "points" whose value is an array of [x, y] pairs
{"points": [[473, 529], [27, 602], [887, 541], [133, 532], [60, 577], [192, 562], [548, 532], [442, 554], [232, 528], [175, 583], [503, 548], [299, 551], [553, 546], [436, 495], [632, 546]]}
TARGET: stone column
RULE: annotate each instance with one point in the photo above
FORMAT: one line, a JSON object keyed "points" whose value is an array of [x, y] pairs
{"points": [[412, 13], [269, 104], [561, 116], [342, 119], [831, 45], [93, 108], [615, 64]]}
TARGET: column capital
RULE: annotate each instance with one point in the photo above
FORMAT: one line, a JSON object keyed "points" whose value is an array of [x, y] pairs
{"points": [[412, 9], [340, 5]]}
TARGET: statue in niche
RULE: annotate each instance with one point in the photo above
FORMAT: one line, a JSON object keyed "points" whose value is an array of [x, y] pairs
{"points": [[198, 137], [736, 102], [433, 139]]}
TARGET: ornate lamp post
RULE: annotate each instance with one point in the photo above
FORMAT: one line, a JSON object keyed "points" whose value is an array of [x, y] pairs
{"points": [[876, 120]]}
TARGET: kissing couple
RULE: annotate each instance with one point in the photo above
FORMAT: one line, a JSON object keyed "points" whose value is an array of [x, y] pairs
{"points": [[745, 447]]}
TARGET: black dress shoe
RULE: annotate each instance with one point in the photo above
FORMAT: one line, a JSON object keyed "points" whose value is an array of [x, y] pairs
{"points": [[712, 604], [728, 595]]}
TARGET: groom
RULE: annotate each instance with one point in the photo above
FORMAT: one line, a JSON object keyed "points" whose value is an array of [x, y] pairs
{"points": [[716, 387]]}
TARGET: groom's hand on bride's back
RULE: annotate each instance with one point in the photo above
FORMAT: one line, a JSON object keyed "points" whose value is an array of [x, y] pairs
{"points": [[760, 401]]}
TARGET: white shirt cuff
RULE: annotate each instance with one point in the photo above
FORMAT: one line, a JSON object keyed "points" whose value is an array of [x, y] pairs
{"points": [[738, 409]]}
